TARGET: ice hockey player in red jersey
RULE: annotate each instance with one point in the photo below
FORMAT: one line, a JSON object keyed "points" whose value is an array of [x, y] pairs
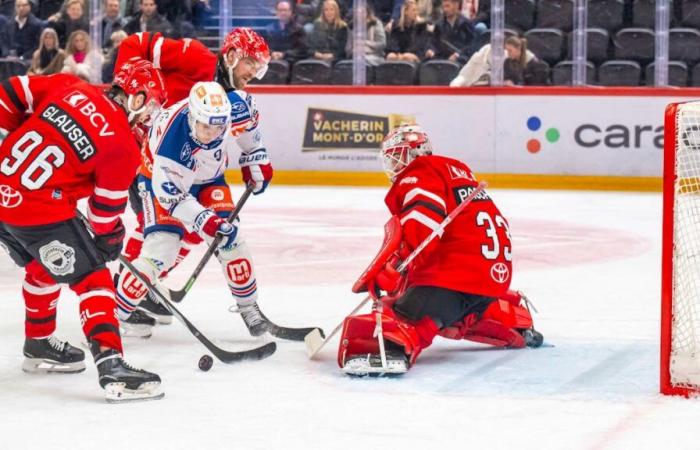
{"points": [[244, 55], [70, 140], [457, 286]]}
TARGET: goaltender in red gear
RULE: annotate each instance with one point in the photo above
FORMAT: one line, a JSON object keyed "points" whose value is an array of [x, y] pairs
{"points": [[457, 286]]}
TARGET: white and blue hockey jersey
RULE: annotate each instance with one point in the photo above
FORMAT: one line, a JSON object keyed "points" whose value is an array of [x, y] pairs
{"points": [[177, 165]]}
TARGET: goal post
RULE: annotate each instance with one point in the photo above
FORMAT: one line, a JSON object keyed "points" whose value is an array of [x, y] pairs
{"points": [[680, 267]]}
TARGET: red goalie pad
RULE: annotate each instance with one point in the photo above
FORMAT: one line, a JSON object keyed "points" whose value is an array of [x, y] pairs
{"points": [[392, 241]]}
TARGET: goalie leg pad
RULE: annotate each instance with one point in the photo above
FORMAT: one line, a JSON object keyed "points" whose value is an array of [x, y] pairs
{"points": [[499, 325]]}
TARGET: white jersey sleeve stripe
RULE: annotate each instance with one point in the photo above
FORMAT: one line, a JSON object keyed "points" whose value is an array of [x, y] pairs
{"points": [[423, 219], [24, 81], [100, 219], [157, 52], [112, 195], [418, 191]]}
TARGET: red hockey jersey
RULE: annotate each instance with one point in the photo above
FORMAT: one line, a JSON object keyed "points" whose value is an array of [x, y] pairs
{"points": [[473, 254], [182, 62], [67, 141]]}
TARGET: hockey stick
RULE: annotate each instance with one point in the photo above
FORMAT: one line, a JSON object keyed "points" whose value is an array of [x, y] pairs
{"points": [[177, 296], [288, 333], [315, 342], [222, 355]]}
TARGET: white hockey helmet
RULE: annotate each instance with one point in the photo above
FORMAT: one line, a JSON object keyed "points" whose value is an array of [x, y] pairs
{"points": [[208, 104], [401, 146]]}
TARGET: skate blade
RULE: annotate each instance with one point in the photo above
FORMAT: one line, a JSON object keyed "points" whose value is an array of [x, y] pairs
{"points": [[161, 319], [313, 342], [361, 367], [138, 331], [40, 365], [119, 393]]}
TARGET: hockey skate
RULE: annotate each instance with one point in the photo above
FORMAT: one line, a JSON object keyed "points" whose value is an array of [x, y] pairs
{"points": [[121, 381], [533, 338], [51, 355], [138, 324], [371, 364], [153, 308], [254, 321]]}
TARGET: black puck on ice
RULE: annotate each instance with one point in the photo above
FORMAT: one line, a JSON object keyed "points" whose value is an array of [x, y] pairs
{"points": [[205, 363]]}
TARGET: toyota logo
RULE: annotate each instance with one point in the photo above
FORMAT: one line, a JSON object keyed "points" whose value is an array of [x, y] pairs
{"points": [[500, 273], [9, 197]]}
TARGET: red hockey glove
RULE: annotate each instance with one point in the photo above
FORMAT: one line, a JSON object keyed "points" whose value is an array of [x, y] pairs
{"points": [[256, 170], [215, 225], [389, 279], [109, 245]]}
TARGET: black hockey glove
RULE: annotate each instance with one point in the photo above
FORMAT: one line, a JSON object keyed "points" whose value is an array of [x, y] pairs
{"points": [[109, 245]]}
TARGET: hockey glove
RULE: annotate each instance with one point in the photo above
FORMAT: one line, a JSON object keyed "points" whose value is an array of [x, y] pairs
{"points": [[109, 245], [216, 226], [389, 279], [256, 169]]}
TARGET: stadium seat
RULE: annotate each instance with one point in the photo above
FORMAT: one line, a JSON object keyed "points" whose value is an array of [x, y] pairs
{"points": [[684, 45], [606, 14], [598, 43], [695, 76], [555, 14], [485, 37], [277, 73], [311, 71], [343, 71], [690, 13], [395, 73], [620, 73], [636, 44], [537, 74], [437, 72], [643, 13], [519, 14], [677, 74], [546, 43], [562, 73]]}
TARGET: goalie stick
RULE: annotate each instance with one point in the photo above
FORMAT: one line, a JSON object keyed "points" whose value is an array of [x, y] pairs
{"points": [[315, 342], [222, 355]]}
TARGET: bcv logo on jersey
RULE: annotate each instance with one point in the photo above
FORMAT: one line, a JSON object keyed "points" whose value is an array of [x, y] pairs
{"points": [[80, 101]]}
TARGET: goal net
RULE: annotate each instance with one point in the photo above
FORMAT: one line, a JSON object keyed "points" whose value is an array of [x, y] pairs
{"points": [[680, 318]]}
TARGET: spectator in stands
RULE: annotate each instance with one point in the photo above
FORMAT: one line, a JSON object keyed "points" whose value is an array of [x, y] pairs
{"points": [[48, 58], [375, 43], [179, 14], [72, 19], [470, 10], [409, 39], [80, 60], [111, 59], [112, 21], [201, 11], [329, 36], [285, 36], [454, 34], [520, 64], [24, 31], [148, 19], [4, 40]]}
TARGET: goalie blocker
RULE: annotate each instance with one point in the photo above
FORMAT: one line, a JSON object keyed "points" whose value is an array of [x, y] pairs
{"points": [[457, 287]]}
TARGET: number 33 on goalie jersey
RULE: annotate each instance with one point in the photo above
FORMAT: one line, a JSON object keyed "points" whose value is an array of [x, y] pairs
{"points": [[67, 141], [473, 254]]}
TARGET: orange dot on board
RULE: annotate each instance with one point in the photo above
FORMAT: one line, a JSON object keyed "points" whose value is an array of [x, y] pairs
{"points": [[533, 146]]}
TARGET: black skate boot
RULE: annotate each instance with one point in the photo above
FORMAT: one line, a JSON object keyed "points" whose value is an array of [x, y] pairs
{"points": [[122, 382], [253, 319], [137, 325], [533, 338], [152, 307], [51, 355]]}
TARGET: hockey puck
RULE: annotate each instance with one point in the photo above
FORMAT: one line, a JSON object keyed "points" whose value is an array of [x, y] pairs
{"points": [[205, 363]]}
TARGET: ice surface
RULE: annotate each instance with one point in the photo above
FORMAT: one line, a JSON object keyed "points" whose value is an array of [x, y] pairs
{"points": [[589, 261]]}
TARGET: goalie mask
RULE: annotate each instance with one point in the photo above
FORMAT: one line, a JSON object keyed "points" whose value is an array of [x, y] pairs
{"points": [[239, 44], [401, 146], [138, 76], [209, 112]]}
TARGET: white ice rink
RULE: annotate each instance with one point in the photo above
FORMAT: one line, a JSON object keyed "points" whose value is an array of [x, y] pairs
{"points": [[590, 262]]}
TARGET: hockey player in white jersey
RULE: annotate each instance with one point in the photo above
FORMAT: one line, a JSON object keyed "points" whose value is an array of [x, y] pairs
{"points": [[182, 187]]}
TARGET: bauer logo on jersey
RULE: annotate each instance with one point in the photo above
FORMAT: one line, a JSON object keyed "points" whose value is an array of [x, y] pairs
{"points": [[463, 192], [500, 273], [170, 188], [70, 129], [58, 257]]}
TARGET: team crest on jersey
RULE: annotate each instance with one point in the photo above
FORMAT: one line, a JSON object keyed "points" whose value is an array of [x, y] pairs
{"points": [[58, 257], [9, 197], [457, 172], [500, 273]]}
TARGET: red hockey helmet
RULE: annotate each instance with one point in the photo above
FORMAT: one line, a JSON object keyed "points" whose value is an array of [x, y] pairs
{"points": [[401, 146], [138, 76], [246, 43]]}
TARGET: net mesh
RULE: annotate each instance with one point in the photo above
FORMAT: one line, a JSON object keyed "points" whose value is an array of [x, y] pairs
{"points": [[685, 340]]}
